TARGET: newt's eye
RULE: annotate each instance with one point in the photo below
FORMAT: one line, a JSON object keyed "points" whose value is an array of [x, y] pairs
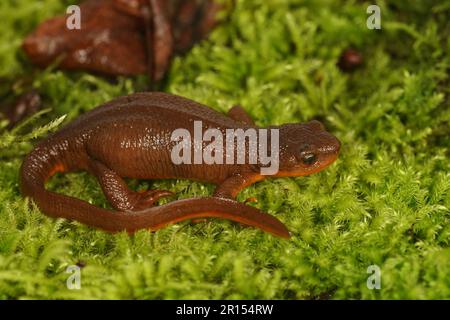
{"points": [[309, 158]]}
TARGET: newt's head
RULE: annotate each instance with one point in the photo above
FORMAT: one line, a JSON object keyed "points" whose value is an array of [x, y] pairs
{"points": [[306, 148]]}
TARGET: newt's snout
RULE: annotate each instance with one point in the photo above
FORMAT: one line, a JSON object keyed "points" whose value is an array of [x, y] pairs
{"points": [[329, 149], [326, 145]]}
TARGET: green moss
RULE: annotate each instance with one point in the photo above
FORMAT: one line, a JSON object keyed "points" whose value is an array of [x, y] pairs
{"points": [[385, 201]]}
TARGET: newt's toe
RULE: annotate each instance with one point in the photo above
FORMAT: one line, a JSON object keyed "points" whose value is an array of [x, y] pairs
{"points": [[148, 198]]}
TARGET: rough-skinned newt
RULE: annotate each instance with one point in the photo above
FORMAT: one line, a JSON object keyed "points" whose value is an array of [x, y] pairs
{"points": [[130, 137]]}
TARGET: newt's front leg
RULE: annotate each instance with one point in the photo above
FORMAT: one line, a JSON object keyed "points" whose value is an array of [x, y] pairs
{"points": [[117, 192], [233, 185]]}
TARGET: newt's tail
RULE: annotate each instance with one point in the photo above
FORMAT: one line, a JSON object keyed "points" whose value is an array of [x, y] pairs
{"points": [[38, 166]]}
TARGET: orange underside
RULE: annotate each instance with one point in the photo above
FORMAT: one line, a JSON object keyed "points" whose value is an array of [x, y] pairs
{"points": [[57, 168]]}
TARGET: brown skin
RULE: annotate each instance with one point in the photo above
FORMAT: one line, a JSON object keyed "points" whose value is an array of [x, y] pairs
{"points": [[130, 137]]}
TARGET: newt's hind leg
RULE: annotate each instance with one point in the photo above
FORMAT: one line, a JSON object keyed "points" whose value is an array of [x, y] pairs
{"points": [[117, 192], [239, 114]]}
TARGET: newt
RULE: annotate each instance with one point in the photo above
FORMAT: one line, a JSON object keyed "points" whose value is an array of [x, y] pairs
{"points": [[131, 137]]}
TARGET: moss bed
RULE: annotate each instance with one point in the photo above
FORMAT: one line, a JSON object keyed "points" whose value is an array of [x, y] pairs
{"points": [[385, 202]]}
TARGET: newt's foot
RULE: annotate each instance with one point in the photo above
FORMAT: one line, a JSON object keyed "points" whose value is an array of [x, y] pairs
{"points": [[148, 198]]}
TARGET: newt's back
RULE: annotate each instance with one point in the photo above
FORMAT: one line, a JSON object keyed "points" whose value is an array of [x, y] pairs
{"points": [[132, 135], [165, 111]]}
